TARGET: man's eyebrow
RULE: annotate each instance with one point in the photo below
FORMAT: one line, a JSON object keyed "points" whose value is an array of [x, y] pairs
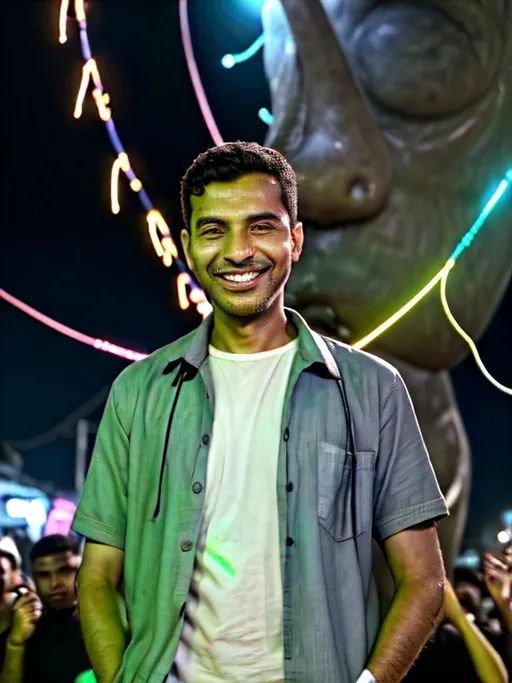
{"points": [[264, 216], [253, 218], [205, 220]]}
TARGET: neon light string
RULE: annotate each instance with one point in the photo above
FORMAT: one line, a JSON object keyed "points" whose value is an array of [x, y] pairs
{"points": [[405, 309], [229, 61], [194, 75], [100, 344], [158, 229], [462, 245], [467, 338], [442, 277]]}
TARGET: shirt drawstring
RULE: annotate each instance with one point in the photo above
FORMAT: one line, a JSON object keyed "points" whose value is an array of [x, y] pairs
{"points": [[181, 376]]}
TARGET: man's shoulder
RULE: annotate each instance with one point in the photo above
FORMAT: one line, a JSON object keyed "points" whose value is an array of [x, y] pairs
{"points": [[140, 372], [359, 362]]}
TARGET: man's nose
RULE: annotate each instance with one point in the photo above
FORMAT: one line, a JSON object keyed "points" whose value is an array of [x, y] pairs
{"points": [[239, 246]]}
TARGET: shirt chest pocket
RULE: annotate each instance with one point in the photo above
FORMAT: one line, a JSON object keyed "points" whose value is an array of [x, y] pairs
{"points": [[345, 487]]}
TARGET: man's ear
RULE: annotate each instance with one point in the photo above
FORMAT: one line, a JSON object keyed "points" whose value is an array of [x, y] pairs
{"points": [[185, 243], [298, 241]]}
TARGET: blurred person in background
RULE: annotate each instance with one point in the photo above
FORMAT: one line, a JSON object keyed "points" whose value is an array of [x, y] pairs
{"points": [[11, 570], [498, 581], [44, 643]]}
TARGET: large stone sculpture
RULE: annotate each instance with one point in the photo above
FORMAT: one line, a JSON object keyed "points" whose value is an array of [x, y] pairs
{"points": [[398, 118]]}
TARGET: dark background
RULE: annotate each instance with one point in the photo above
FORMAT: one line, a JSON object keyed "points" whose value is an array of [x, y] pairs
{"points": [[63, 252]]}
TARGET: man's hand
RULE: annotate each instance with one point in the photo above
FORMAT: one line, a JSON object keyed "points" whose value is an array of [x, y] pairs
{"points": [[26, 613], [498, 579]]}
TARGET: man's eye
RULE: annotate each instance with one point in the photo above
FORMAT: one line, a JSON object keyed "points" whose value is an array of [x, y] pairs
{"points": [[261, 227], [212, 231]]}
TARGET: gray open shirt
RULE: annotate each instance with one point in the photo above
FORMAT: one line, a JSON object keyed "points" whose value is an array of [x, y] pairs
{"points": [[330, 610]]}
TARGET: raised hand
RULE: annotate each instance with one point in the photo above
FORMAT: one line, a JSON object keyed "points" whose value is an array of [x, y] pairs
{"points": [[26, 613], [498, 579]]}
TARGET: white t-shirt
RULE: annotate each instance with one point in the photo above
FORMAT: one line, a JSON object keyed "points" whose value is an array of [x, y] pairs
{"points": [[233, 620]]}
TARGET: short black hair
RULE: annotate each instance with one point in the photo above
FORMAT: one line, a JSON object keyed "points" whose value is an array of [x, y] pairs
{"points": [[12, 560], [53, 544], [231, 161]]}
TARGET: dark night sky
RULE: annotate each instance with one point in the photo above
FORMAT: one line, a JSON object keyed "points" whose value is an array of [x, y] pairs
{"points": [[63, 252]]}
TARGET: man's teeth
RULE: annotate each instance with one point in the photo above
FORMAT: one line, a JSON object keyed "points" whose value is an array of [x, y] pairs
{"points": [[246, 277]]}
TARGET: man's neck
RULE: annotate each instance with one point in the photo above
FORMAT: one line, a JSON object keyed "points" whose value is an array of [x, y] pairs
{"points": [[261, 333]]}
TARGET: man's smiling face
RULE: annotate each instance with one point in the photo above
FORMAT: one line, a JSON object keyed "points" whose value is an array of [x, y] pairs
{"points": [[240, 244]]}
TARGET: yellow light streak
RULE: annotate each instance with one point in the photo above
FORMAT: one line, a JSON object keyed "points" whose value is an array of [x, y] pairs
{"points": [[102, 99], [170, 251], [121, 163], [63, 21], [406, 308], [89, 69], [196, 296], [80, 10], [182, 281], [467, 338], [114, 182], [164, 247]]}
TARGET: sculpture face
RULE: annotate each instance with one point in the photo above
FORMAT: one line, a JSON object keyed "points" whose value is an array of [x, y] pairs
{"points": [[397, 117]]}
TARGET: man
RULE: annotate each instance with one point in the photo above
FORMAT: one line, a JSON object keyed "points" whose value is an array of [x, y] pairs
{"points": [[239, 473], [46, 646]]}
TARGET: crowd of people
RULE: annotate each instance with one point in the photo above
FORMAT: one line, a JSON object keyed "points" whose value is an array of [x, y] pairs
{"points": [[40, 635], [41, 639]]}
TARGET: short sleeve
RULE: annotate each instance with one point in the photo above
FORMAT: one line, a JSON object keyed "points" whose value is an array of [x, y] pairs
{"points": [[406, 490], [101, 511]]}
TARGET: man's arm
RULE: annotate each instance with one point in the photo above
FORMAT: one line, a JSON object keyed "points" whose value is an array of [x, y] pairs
{"points": [[102, 627], [415, 561], [101, 518]]}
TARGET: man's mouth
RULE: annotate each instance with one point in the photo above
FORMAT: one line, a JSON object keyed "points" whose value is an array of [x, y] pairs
{"points": [[242, 279]]}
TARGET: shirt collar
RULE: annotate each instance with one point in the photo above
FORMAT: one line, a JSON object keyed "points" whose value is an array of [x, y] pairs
{"points": [[312, 347]]}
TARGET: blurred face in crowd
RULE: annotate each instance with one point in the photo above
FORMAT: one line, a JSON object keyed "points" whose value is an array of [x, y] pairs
{"points": [[5, 566], [8, 575], [55, 577], [470, 598]]}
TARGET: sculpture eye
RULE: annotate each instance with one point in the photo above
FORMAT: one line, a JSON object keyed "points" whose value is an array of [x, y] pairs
{"points": [[417, 60]]}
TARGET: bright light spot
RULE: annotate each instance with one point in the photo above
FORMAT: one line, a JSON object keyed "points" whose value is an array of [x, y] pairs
{"points": [[16, 508], [504, 536], [228, 61], [35, 513], [265, 116]]}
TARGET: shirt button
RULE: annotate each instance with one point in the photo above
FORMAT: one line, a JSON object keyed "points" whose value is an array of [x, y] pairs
{"points": [[197, 487], [286, 435], [289, 487], [206, 439], [290, 541], [186, 546]]}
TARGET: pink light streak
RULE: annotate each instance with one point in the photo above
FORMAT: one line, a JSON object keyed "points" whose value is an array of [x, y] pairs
{"points": [[195, 77], [100, 344]]}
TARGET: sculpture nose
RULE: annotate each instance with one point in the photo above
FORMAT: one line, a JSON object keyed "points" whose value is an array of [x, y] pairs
{"points": [[341, 159], [338, 186]]}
